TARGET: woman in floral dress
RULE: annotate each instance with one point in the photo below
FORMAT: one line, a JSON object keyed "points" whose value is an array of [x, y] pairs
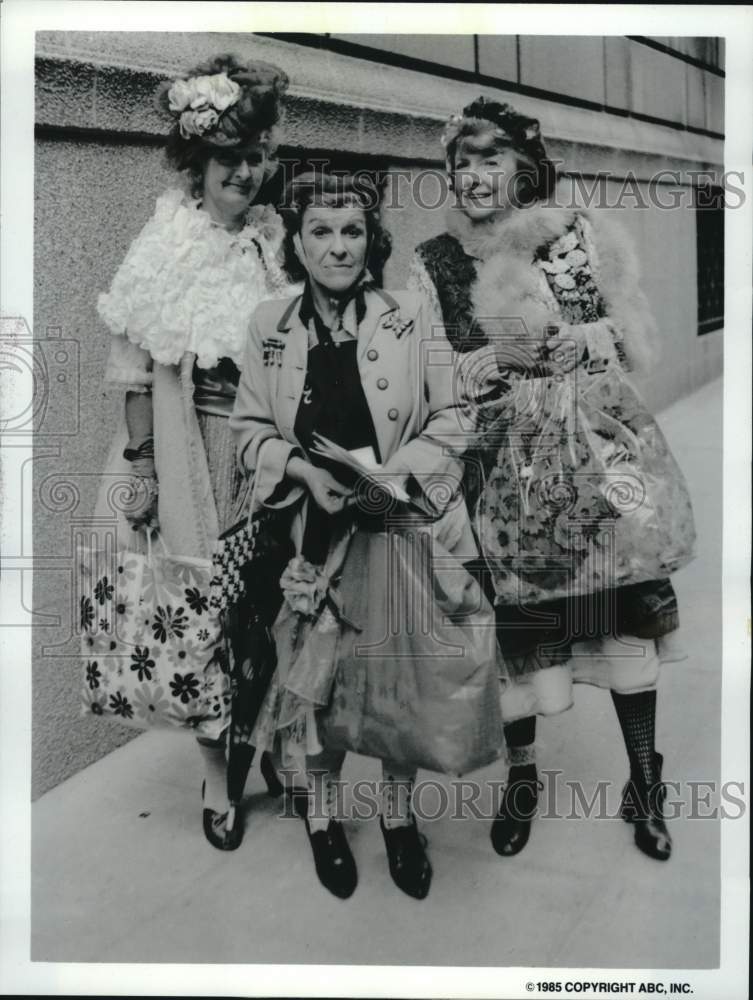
{"points": [[580, 509], [178, 309]]}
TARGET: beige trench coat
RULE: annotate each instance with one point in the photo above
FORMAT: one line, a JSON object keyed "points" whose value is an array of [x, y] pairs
{"points": [[407, 370]]}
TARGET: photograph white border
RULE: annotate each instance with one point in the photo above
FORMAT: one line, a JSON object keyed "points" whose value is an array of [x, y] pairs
{"points": [[20, 20]]}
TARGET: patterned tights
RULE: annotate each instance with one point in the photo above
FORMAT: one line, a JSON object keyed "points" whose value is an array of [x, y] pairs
{"points": [[637, 715]]}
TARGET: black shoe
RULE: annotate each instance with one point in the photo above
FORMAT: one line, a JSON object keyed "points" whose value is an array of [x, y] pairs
{"points": [[334, 863], [406, 854], [511, 827], [643, 806], [223, 830]]}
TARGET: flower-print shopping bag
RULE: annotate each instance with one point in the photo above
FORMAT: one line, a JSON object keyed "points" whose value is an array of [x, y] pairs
{"points": [[153, 648]]}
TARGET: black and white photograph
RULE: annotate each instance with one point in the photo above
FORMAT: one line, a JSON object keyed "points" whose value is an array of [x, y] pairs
{"points": [[376, 499]]}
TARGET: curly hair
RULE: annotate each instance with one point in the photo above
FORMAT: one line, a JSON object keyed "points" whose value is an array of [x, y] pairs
{"points": [[536, 174], [253, 119], [335, 191]]}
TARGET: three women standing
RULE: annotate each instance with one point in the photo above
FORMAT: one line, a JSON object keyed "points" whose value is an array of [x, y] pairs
{"points": [[341, 362]]}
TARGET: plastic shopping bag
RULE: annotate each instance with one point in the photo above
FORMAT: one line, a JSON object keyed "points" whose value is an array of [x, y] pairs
{"points": [[417, 679], [153, 649], [585, 494]]}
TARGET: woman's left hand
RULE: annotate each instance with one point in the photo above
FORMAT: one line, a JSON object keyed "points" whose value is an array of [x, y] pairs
{"points": [[566, 348]]}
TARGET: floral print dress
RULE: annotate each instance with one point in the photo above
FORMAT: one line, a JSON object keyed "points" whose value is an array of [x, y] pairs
{"points": [[582, 512]]}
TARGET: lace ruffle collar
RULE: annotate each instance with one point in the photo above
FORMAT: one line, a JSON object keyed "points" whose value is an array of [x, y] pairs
{"points": [[187, 284]]}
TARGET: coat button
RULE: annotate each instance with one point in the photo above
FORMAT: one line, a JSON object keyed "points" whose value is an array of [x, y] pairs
{"points": [[372, 355], [393, 414], [382, 383]]}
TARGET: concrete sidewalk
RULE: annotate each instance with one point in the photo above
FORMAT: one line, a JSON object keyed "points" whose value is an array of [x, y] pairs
{"points": [[121, 871]]}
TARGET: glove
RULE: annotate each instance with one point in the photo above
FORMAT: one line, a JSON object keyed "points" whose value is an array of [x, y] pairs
{"points": [[142, 511], [567, 346]]}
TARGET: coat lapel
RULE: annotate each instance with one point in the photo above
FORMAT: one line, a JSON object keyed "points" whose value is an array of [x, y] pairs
{"points": [[378, 305], [292, 373]]}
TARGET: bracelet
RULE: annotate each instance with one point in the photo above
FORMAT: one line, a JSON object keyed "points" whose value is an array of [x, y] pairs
{"points": [[151, 486], [144, 450]]}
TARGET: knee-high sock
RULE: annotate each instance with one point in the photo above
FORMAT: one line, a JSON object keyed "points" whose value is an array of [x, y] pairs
{"points": [[323, 775], [520, 737], [215, 774], [637, 716], [397, 791]]}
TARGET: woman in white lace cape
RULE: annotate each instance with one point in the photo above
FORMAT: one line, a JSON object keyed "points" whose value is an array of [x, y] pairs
{"points": [[178, 309]]}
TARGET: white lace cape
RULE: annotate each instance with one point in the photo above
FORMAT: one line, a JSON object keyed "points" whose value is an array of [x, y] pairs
{"points": [[187, 284]]}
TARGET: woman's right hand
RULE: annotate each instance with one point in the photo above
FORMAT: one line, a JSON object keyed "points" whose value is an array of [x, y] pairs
{"points": [[143, 507], [327, 492]]}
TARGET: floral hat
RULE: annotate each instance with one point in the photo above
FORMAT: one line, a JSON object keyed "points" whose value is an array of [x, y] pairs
{"points": [[225, 104]]}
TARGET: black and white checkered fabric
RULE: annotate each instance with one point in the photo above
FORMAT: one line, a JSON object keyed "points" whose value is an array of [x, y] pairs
{"points": [[233, 551]]}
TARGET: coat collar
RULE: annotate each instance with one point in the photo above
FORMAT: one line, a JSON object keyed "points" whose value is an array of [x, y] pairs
{"points": [[378, 304]]}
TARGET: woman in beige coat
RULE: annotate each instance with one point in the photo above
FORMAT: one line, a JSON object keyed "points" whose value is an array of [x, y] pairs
{"points": [[344, 361]]}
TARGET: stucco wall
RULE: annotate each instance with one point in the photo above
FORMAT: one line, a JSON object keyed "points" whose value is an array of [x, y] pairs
{"points": [[91, 199], [98, 169]]}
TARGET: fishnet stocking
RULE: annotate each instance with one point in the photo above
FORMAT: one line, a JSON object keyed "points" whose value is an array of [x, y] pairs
{"points": [[637, 716]]}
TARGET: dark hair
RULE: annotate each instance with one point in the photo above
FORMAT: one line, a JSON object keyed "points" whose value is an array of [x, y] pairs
{"points": [[253, 120], [334, 191], [536, 175]]}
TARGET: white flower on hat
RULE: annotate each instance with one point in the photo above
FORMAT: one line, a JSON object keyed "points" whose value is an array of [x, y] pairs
{"points": [[179, 95], [202, 93], [217, 91], [452, 126], [197, 122]]}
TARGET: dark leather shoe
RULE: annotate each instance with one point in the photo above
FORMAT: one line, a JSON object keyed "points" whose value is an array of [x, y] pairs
{"points": [[511, 827], [406, 854], [643, 806], [223, 830], [335, 865]]}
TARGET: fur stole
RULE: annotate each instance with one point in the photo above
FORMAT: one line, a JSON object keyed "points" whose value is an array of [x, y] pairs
{"points": [[512, 287]]}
